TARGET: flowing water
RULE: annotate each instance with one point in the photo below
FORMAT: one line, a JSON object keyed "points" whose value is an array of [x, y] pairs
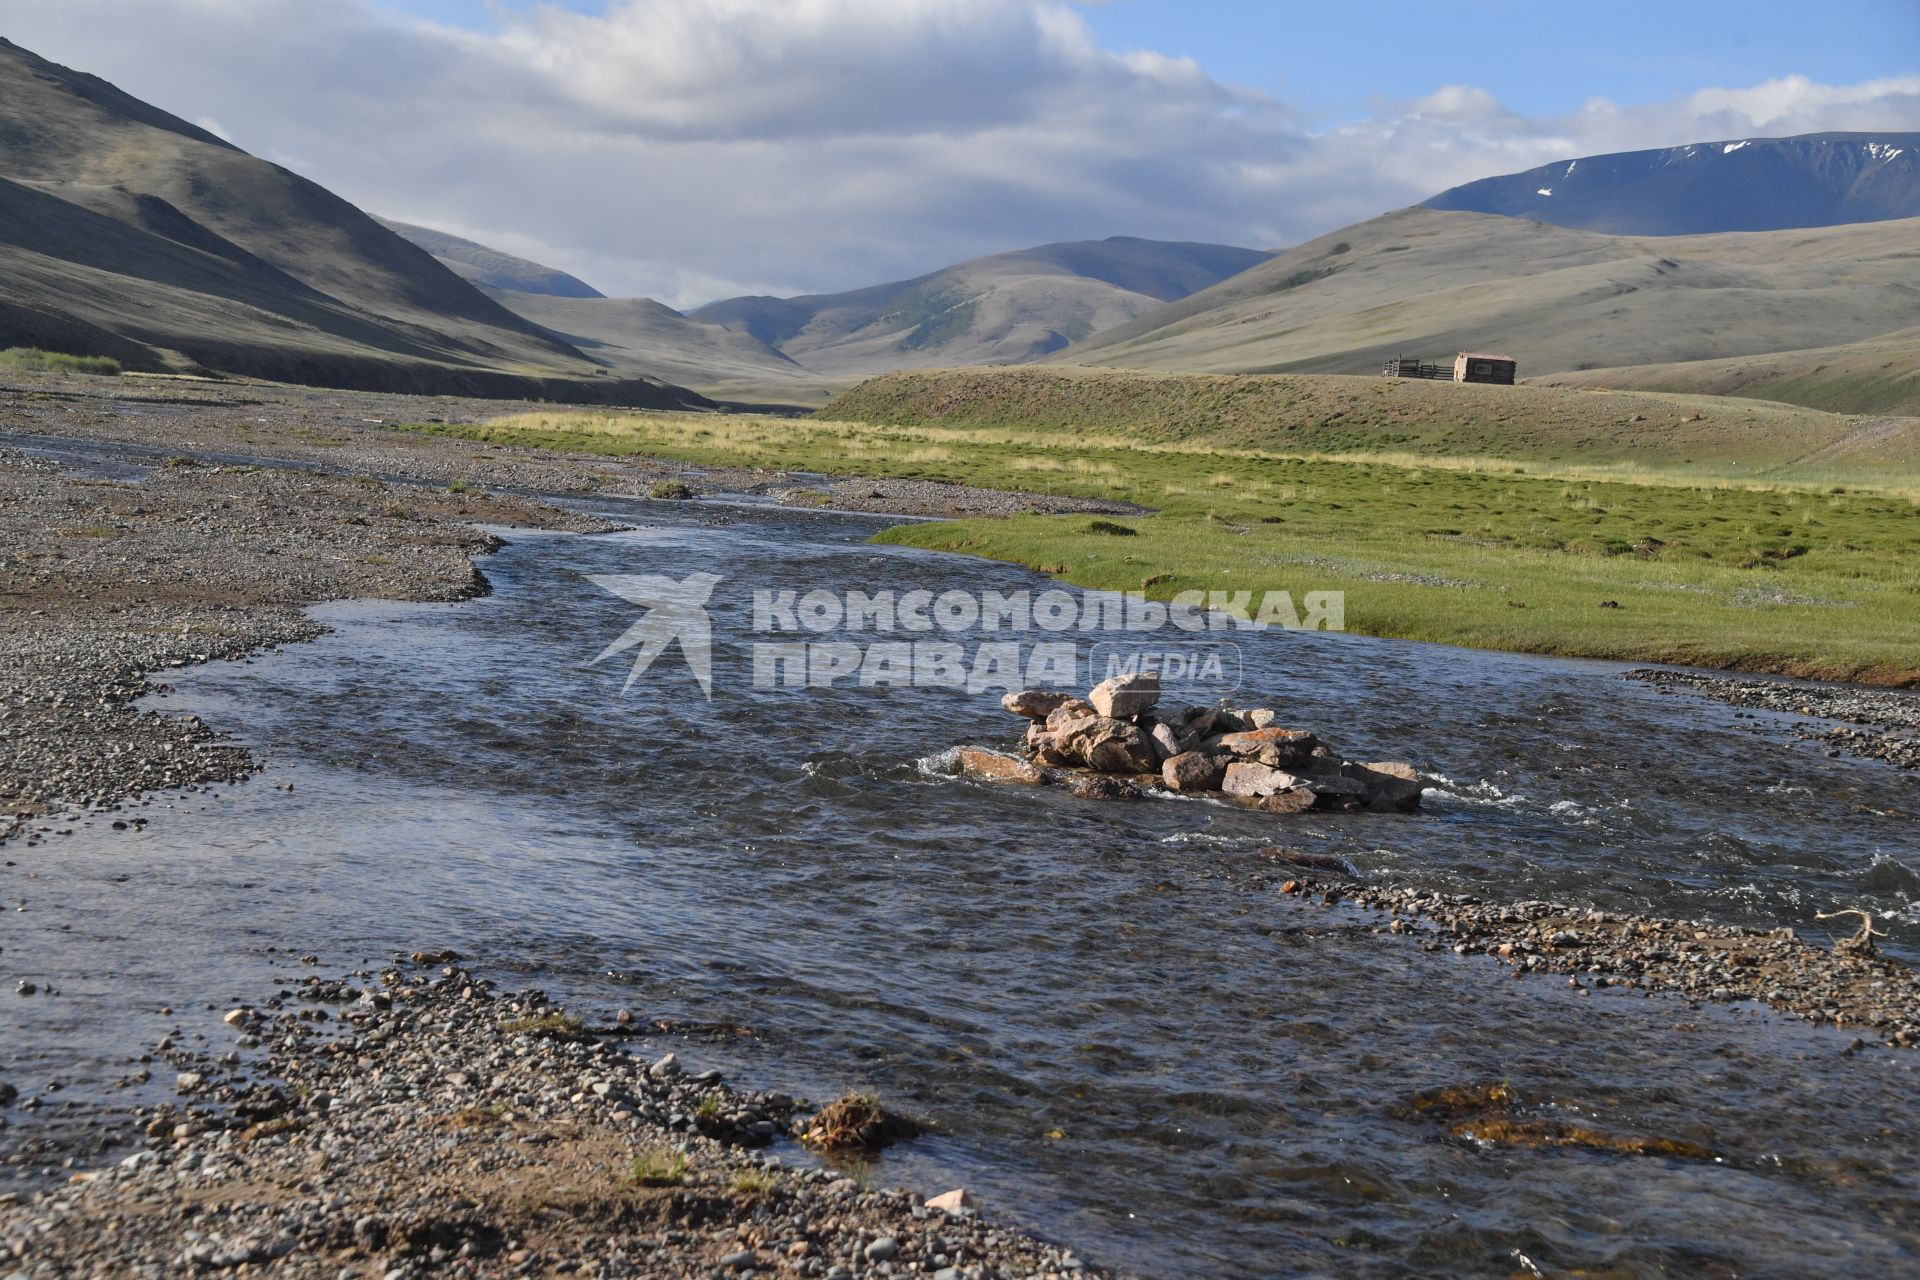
{"points": [[1128, 1040]]}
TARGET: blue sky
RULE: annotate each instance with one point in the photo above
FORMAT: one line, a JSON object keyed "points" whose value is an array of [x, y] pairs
{"points": [[1536, 56]]}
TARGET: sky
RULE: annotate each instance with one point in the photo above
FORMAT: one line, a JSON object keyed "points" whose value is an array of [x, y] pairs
{"points": [[694, 149]]}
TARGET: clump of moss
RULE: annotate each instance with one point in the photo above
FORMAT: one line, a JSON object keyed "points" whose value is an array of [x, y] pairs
{"points": [[676, 490], [1111, 528], [557, 1024], [857, 1122]]}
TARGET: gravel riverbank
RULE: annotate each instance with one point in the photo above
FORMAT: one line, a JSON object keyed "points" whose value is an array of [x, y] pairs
{"points": [[418, 1123], [1842, 985], [104, 583], [1890, 717]]}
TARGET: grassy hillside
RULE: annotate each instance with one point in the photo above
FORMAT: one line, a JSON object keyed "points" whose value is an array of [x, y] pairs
{"points": [[129, 233], [1420, 282], [1446, 547], [1879, 376], [1005, 308], [1563, 431], [490, 268]]}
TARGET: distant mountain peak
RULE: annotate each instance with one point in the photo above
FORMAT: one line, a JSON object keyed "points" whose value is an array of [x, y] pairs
{"points": [[487, 266], [1735, 184]]}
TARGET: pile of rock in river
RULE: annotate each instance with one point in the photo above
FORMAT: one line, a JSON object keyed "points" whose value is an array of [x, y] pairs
{"points": [[1118, 743]]}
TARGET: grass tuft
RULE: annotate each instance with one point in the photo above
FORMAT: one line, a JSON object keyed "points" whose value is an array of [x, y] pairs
{"points": [[657, 1169], [35, 360]]}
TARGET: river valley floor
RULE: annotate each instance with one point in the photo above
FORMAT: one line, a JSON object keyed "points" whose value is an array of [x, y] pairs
{"points": [[424, 1126]]}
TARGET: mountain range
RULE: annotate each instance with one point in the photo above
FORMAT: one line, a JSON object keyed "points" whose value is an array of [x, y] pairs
{"points": [[1743, 184], [1000, 309], [129, 232], [1785, 267]]}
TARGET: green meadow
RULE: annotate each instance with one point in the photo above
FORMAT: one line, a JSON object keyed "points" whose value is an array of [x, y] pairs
{"points": [[1537, 557]]}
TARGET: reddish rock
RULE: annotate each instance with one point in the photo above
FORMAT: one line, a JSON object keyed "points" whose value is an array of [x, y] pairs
{"points": [[991, 766], [1195, 771], [1123, 697], [1034, 704], [1294, 800], [1106, 745], [1280, 748]]}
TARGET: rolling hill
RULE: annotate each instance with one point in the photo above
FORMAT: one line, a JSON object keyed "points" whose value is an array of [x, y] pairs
{"points": [[129, 232], [1745, 184], [1005, 308], [639, 335], [1880, 375], [1426, 282], [636, 337], [490, 268]]}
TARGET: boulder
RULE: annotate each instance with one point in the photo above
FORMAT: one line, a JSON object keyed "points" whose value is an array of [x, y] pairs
{"points": [[1123, 697], [1250, 778], [1106, 745], [1292, 800], [983, 765], [951, 1201], [1195, 771], [1280, 748], [1034, 704], [1392, 786], [1336, 784], [1096, 786], [1260, 718], [1168, 742], [1069, 711]]}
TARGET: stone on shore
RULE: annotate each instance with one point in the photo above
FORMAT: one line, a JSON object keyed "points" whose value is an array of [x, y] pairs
{"points": [[951, 1201], [1195, 771], [1123, 697]]}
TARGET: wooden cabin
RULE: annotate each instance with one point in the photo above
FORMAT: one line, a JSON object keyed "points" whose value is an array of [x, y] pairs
{"points": [[1475, 366]]}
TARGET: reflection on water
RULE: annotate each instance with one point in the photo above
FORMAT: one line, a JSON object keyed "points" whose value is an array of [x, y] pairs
{"points": [[1125, 1038]]}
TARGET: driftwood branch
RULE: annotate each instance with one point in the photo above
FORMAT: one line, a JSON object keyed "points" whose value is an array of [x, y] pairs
{"points": [[1860, 943]]}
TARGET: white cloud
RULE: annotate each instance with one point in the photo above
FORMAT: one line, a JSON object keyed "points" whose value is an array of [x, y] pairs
{"points": [[693, 148]]}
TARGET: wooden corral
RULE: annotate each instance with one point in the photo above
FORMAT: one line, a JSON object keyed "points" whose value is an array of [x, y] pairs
{"points": [[1401, 367]]}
